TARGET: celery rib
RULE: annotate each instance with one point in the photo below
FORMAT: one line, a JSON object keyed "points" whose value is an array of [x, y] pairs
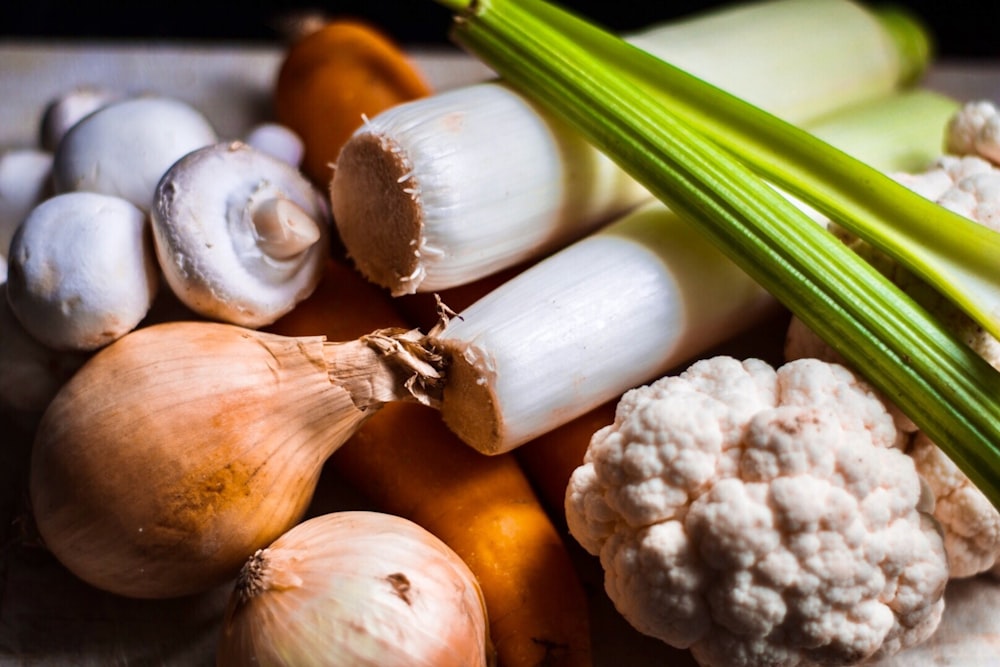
{"points": [[955, 255], [949, 392]]}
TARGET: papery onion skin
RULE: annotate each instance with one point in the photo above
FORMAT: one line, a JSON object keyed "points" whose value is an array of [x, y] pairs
{"points": [[358, 589], [179, 450]]}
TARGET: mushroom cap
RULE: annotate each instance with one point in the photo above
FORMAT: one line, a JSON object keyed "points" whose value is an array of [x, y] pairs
{"points": [[280, 141], [82, 271], [209, 242], [124, 148], [30, 373], [68, 109], [25, 180]]}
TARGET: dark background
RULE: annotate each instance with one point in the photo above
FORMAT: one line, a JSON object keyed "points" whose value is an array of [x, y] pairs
{"points": [[961, 29]]}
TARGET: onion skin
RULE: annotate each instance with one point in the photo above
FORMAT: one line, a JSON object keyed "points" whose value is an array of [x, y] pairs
{"points": [[179, 450], [358, 589]]}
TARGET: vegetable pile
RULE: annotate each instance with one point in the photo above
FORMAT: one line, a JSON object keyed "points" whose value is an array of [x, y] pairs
{"points": [[494, 311]]}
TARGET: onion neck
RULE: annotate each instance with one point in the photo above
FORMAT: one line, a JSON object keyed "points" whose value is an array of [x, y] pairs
{"points": [[387, 365], [265, 571], [252, 580]]}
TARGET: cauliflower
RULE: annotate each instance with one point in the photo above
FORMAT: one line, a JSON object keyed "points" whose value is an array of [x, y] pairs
{"points": [[975, 130], [761, 516], [967, 183], [973, 523]]}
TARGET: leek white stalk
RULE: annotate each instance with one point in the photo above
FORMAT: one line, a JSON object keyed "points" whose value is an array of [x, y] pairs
{"points": [[452, 187], [443, 190], [607, 313], [624, 305]]}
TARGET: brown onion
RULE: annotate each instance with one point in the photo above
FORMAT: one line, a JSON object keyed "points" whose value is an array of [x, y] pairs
{"points": [[180, 449], [364, 589]]}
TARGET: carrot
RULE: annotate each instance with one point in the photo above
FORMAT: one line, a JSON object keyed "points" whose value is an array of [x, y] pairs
{"points": [[421, 308], [407, 462], [550, 459], [331, 78], [342, 307]]}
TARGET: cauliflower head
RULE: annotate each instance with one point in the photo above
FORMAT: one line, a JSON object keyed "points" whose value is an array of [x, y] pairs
{"points": [[761, 516]]}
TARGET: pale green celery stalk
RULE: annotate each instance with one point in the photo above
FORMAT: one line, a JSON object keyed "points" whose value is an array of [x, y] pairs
{"points": [[955, 255], [952, 394]]}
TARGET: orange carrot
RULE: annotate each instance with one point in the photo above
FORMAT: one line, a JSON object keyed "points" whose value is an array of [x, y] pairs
{"points": [[422, 310], [407, 462], [331, 78], [550, 459]]}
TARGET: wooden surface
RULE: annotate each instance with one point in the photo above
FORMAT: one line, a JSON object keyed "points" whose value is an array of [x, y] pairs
{"points": [[49, 618]]}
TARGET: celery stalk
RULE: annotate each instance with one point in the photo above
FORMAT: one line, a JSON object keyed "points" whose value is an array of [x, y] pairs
{"points": [[949, 392], [955, 255]]}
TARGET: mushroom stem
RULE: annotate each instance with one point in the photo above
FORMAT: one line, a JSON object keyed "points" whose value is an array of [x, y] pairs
{"points": [[283, 228]]}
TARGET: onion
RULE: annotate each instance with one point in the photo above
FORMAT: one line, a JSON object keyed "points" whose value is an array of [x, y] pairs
{"points": [[180, 449], [356, 588]]}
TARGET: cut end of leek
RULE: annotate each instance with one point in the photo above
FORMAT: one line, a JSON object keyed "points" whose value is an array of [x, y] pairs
{"points": [[469, 406], [382, 233], [912, 39]]}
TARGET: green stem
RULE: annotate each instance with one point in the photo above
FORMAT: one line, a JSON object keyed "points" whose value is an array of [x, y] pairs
{"points": [[948, 391], [955, 255]]}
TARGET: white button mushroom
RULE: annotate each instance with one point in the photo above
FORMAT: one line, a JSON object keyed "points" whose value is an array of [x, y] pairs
{"points": [[25, 180], [30, 373], [124, 148], [277, 140], [82, 271], [241, 236], [68, 109]]}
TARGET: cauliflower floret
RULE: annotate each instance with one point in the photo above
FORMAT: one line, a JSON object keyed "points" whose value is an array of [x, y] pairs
{"points": [[761, 517], [969, 185], [973, 524], [975, 130]]}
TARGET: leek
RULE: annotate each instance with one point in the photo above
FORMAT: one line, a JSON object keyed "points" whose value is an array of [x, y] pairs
{"points": [[628, 303], [415, 196], [949, 392]]}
